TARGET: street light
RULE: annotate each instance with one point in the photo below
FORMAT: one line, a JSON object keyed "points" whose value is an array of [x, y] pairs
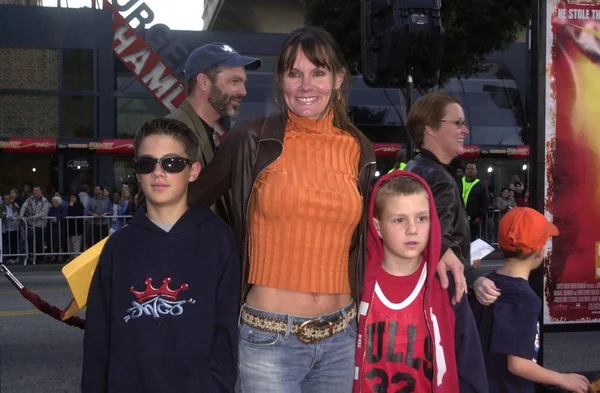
{"points": [[524, 167], [490, 169]]}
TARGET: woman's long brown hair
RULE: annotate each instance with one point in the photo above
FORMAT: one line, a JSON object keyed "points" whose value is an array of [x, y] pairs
{"points": [[323, 51]]}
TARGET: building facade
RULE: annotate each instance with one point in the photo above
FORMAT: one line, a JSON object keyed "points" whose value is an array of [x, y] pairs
{"points": [[69, 107]]}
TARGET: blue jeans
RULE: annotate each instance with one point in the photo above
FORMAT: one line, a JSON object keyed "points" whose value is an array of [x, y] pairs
{"points": [[280, 363]]}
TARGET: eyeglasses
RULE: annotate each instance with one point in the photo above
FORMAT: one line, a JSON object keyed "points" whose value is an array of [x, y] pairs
{"points": [[172, 164], [458, 123]]}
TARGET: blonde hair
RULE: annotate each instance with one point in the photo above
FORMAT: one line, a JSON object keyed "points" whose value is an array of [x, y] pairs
{"points": [[396, 186]]}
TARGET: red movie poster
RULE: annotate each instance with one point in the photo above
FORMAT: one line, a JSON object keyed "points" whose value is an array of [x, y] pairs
{"points": [[572, 269]]}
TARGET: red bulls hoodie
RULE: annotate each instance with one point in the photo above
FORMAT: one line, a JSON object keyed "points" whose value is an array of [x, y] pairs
{"points": [[440, 347]]}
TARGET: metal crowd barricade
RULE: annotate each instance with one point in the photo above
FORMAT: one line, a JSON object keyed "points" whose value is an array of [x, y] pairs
{"points": [[490, 227], [13, 243], [488, 231], [57, 238]]}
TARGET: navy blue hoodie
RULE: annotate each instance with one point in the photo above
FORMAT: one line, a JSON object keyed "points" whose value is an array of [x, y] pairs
{"points": [[163, 308]]}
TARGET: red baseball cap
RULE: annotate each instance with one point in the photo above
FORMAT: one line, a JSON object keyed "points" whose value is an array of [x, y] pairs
{"points": [[524, 230]]}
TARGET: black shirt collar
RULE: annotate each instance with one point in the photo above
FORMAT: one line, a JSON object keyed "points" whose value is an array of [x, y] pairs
{"points": [[210, 132], [432, 156]]}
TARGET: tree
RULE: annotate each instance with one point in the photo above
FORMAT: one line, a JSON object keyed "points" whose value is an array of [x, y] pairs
{"points": [[473, 29]]}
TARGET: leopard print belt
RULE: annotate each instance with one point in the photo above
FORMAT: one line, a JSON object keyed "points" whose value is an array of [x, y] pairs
{"points": [[308, 332]]}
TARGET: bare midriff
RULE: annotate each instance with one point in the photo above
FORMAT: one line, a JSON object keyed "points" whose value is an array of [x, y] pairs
{"points": [[302, 304]]}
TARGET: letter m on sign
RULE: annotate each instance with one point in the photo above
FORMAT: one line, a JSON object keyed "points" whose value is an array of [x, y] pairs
{"points": [[143, 61]]}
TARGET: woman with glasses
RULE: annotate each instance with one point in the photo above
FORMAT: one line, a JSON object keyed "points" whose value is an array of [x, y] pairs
{"points": [[437, 126]]}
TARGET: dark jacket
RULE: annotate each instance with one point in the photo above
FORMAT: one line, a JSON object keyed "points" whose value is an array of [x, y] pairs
{"points": [[456, 231], [59, 228], [250, 147], [186, 114], [478, 202], [76, 224], [459, 367], [163, 308]]}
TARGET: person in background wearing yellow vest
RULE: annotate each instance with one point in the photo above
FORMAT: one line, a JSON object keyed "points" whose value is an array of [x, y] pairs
{"points": [[401, 159], [476, 198]]}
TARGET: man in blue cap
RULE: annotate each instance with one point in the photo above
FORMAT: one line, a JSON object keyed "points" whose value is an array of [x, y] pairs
{"points": [[215, 75]]}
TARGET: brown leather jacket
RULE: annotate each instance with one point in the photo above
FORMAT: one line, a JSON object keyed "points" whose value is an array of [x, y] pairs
{"points": [[250, 147]]}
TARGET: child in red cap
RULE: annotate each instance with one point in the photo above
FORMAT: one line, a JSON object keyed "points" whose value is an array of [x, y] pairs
{"points": [[509, 329]]}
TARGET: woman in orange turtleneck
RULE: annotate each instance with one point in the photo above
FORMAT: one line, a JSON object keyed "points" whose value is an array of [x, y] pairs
{"points": [[299, 183]]}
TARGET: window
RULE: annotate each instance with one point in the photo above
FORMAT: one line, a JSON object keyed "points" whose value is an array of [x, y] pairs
{"points": [[376, 115], [29, 68], [78, 69], [78, 116], [133, 112], [495, 117], [126, 82], [384, 133], [28, 115], [369, 106], [494, 71]]}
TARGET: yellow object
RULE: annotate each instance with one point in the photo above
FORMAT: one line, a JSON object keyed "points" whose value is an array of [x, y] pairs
{"points": [[595, 385], [79, 273], [402, 166], [466, 191]]}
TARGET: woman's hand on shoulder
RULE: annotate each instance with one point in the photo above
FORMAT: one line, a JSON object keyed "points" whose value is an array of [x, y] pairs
{"points": [[450, 263]]}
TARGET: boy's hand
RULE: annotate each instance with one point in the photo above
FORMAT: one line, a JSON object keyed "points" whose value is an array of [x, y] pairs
{"points": [[450, 262], [575, 383], [485, 291]]}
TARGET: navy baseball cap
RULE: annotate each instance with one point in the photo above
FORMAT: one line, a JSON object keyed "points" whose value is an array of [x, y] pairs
{"points": [[217, 53]]}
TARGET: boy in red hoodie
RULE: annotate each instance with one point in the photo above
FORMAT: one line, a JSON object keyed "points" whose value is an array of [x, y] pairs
{"points": [[410, 337]]}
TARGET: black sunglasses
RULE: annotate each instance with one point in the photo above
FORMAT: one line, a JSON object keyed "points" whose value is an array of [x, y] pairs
{"points": [[172, 164]]}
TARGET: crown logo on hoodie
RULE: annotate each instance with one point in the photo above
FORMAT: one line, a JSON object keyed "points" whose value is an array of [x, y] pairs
{"points": [[163, 291]]}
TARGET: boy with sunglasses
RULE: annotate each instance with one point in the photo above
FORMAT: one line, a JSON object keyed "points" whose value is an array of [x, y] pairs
{"points": [[163, 304]]}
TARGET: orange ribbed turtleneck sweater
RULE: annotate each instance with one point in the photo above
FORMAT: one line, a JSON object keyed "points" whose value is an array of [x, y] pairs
{"points": [[305, 208]]}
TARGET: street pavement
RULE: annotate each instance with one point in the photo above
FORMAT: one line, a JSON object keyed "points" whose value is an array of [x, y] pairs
{"points": [[37, 353], [41, 355]]}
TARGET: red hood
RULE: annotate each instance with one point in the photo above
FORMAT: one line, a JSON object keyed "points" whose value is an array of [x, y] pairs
{"points": [[437, 303], [375, 245]]}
